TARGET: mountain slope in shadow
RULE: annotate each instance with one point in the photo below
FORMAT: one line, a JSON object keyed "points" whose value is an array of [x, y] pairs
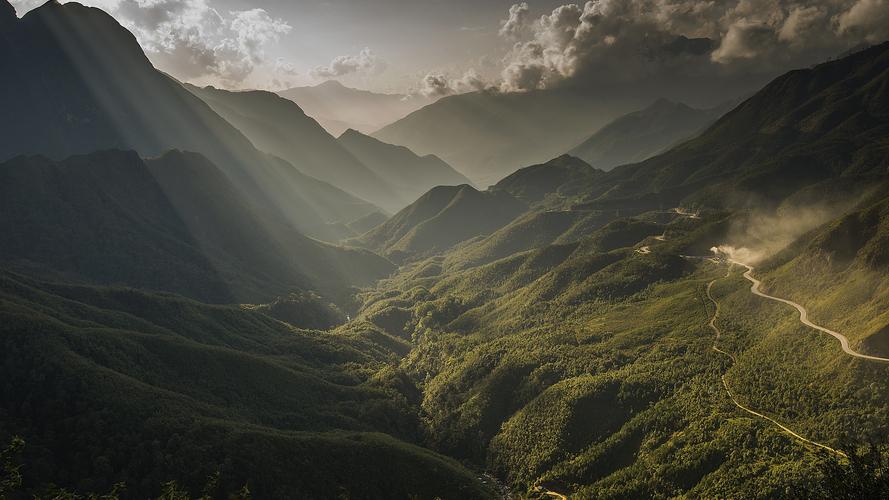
{"points": [[339, 108], [79, 82], [173, 223], [806, 127], [440, 219], [642, 134], [409, 174], [278, 126]]}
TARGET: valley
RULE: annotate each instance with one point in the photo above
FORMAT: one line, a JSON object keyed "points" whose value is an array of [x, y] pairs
{"points": [[462, 290]]}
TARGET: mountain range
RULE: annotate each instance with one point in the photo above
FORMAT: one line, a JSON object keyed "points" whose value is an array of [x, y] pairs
{"points": [[339, 108], [408, 174], [819, 125], [173, 326], [79, 82], [487, 135], [280, 127], [642, 134]]}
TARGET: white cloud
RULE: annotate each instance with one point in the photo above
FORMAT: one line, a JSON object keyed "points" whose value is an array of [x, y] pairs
{"points": [[867, 19], [439, 85], [191, 38], [366, 62], [518, 21]]}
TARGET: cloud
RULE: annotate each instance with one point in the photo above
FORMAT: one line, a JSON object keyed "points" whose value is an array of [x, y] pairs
{"points": [[518, 21], [435, 85], [744, 40], [366, 62], [192, 39], [613, 41], [866, 19], [439, 85]]}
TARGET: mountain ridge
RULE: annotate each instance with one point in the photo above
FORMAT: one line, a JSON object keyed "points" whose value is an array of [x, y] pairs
{"points": [[641, 134], [338, 107], [78, 80]]}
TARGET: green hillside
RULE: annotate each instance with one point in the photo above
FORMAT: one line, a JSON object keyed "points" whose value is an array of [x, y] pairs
{"points": [[587, 368], [560, 178], [440, 219], [143, 389], [710, 322], [805, 127]]}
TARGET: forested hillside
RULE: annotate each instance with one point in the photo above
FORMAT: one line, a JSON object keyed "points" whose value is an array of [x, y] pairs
{"points": [[203, 293]]}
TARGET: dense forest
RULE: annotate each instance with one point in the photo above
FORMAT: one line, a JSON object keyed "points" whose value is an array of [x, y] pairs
{"points": [[205, 294]]}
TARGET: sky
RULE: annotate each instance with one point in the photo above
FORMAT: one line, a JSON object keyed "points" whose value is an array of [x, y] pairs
{"points": [[438, 47]]}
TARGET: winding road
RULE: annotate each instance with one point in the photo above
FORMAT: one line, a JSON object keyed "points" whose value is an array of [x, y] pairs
{"points": [[551, 493], [804, 316], [731, 395]]}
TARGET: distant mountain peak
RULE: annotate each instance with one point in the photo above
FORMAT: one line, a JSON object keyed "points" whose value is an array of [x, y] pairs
{"points": [[333, 84], [350, 132]]}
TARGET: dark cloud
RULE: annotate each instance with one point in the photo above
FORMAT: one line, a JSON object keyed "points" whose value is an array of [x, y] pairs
{"points": [[622, 40]]}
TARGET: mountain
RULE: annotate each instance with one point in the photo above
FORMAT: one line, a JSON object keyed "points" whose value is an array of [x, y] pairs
{"points": [[278, 126], [174, 223], [79, 82], [642, 134], [557, 362], [145, 389], [851, 257], [441, 218], [593, 347], [366, 223], [562, 175], [488, 135], [339, 108], [409, 174], [818, 125]]}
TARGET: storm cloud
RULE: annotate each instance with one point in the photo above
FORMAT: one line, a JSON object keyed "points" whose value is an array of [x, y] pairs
{"points": [[613, 41]]}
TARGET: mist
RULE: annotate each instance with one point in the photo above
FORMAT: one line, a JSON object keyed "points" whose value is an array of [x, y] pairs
{"points": [[761, 234]]}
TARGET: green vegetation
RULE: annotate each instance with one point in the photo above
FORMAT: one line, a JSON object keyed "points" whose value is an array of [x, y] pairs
{"points": [[587, 368], [553, 331], [116, 385], [440, 219]]}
